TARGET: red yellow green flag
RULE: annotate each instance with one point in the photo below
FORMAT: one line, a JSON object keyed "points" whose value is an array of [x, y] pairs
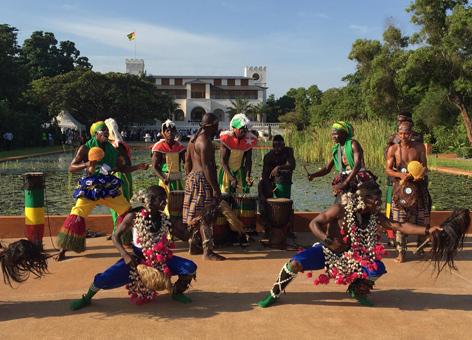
{"points": [[131, 36]]}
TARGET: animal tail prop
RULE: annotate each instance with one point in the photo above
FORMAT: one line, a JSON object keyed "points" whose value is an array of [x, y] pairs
{"points": [[154, 279], [447, 242], [20, 259], [233, 220], [208, 216]]}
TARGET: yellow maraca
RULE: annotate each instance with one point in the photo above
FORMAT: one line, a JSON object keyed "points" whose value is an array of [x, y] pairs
{"points": [[416, 169], [94, 155]]}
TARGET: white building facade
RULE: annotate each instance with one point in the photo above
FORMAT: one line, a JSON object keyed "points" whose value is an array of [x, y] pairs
{"points": [[197, 95]]}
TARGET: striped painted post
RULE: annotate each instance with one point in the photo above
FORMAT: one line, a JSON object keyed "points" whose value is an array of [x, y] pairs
{"points": [[34, 206]]}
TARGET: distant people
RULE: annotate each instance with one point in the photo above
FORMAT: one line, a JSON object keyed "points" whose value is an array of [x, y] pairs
{"points": [[44, 138], [8, 136], [348, 158], [51, 142]]}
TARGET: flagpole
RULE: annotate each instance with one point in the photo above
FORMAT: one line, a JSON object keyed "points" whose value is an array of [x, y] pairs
{"points": [[134, 44]]}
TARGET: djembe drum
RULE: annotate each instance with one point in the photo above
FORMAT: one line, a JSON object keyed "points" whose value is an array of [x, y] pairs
{"points": [[279, 215], [283, 184], [245, 207], [34, 206], [175, 206]]}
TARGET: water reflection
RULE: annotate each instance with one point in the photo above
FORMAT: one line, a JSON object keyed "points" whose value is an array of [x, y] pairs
{"points": [[447, 191]]}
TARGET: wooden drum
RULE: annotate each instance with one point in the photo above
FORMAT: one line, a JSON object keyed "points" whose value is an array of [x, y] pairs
{"points": [[245, 207], [175, 206], [279, 212]]}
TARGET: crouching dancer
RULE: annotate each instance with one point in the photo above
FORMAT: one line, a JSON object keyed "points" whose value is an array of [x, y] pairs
{"points": [[351, 251], [151, 248]]}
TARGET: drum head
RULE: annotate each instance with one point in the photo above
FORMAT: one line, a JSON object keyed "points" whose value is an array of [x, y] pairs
{"points": [[279, 200]]}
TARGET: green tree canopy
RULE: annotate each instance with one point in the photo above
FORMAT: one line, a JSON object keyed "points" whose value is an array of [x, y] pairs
{"points": [[41, 56], [91, 96], [12, 75]]}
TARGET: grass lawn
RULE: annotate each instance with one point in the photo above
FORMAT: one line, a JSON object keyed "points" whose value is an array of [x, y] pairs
{"points": [[32, 151], [463, 164]]}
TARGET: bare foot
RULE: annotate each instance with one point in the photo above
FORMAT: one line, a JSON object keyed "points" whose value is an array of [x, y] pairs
{"points": [[211, 256], [61, 255], [400, 258]]}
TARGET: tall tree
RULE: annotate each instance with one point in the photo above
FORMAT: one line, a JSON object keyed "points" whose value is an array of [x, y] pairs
{"points": [[239, 105], [300, 116], [12, 75], [41, 56], [445, 58], [260, 110], [379, 64]]}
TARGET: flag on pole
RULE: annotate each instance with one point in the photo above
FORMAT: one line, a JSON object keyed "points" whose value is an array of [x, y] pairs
{"points": [[131, 36]]}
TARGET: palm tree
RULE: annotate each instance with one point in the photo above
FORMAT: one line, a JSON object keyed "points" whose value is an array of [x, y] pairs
{"points": [[239, 105], [260, 110]]}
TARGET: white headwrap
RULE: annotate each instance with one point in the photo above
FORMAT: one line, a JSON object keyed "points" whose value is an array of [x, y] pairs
{"points": [[167, 124], [240, 120], [113, 130]]}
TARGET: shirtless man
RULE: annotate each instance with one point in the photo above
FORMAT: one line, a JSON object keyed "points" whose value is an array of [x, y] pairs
{"points": [[398, 158], [351, 162], [201, 188], [393, 139]]}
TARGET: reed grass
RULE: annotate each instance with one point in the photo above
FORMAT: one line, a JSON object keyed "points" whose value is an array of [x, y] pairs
{"points": [[316, 145]]}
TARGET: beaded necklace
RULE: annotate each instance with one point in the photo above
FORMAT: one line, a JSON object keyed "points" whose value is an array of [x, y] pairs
{"points": [[156, 249], [365, 247]]}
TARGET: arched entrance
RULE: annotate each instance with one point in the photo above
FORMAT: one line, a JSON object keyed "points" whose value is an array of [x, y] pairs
{"points": [[197, 114], [220, 114], [179, 115]]}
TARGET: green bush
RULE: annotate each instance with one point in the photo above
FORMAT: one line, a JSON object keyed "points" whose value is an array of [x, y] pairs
{"points": [[465, 152]]}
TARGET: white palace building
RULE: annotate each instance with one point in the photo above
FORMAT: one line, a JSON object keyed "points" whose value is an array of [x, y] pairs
{"points": [[197, 95]]}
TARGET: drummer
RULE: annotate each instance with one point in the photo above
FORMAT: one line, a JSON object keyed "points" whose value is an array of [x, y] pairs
{"points": [[167, 156], [280, 158]]}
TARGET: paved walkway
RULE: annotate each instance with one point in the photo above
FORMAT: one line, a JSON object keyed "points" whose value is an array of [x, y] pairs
{"points": [[409, 302]]}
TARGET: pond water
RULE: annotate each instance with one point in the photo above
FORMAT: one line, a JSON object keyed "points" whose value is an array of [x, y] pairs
{"points": [[447, 191]]}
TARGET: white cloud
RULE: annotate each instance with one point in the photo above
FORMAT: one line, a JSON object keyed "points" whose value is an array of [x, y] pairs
{"points": [[359, 29]]}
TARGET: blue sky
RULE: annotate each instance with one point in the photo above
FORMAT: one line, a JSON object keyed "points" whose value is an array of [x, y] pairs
{"points": [[301, 42]]}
